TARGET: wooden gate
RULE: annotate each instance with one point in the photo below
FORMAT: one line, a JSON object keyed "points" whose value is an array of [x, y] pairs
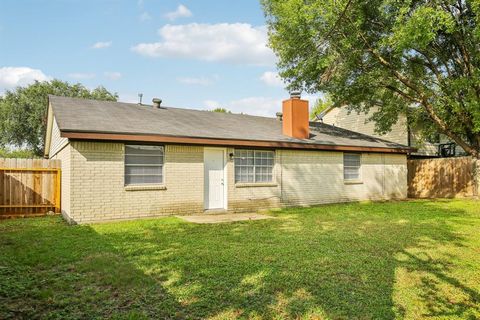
{"points": [[29, 187], [441, 178]]}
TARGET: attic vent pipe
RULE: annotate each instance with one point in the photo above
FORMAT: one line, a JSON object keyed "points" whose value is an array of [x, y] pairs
{"points": [[156, 103]]}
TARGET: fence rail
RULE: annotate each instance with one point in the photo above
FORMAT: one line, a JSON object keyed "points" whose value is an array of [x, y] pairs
{"points": [[441, 178], [29, 187]]}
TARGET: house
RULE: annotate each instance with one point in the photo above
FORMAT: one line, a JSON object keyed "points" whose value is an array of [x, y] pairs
{"points": [[124, 161], [401, 133]]}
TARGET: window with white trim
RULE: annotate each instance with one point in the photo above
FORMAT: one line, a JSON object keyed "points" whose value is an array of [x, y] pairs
{"points": [[351, 166], [143, 164], [254, 166]]}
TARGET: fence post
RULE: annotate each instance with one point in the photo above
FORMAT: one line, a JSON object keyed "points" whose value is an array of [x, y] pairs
{"points": [[58, 185], [476, 176], [433, 178], [29, 187]]}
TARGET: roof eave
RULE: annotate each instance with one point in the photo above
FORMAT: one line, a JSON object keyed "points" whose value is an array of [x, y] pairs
{"points": [[100, 136]]}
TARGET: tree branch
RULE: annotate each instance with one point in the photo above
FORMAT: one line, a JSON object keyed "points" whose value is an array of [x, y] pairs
{"points": [[423, 99]]}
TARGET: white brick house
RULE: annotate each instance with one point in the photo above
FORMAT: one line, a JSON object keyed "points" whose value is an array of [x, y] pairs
{"points": [[125, 161]]}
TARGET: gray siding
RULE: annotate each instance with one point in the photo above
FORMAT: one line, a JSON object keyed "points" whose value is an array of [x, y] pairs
{"points": [[341, 117], [359, 122], [57, 142]]}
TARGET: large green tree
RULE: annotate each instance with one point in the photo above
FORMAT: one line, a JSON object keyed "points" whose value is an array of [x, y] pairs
{"points": [[416, 57], [23, 111]]}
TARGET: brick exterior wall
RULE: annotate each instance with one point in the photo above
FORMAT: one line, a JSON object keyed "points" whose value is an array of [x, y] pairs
{"points": [[64, 155], [252, 197], [93, 190], [317, 177], [98, 191]]}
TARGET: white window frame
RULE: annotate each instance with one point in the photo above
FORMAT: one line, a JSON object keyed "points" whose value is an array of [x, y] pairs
{"points": [[162, 165], [236, 156], [359, 179]]}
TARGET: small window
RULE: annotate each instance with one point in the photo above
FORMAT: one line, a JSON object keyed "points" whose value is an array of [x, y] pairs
{"points": [[143, 164], [253, 166], [351, 166]]}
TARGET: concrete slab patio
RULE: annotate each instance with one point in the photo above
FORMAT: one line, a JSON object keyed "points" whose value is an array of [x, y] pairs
{"points": [[223, 218]]}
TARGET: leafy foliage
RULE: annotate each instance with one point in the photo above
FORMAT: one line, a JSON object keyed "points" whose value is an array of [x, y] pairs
{"points": [[416, 57], [221, 110], [23, 111], [321, 105], [17, 153]]}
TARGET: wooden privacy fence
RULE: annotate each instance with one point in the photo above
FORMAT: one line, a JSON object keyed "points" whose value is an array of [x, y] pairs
{"points": [[29, 187], [441, 178]]}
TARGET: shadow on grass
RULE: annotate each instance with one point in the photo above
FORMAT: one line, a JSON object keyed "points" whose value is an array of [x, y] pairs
{"points": [[434, 280], [336, 261], [51, 270]]}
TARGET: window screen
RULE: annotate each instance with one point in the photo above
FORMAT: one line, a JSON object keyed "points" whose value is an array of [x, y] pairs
{"points": [[254, 166], [143, 164], [351, 166]]}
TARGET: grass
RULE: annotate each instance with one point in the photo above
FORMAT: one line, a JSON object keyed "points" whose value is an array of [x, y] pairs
{"points": [[393, 260]]}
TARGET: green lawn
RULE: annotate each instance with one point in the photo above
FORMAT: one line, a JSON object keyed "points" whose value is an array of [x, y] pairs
{"points": [[389, 260]]}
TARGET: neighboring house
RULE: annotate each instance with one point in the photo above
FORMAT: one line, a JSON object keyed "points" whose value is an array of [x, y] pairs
{"points": [[400, 132], [124, 161]]}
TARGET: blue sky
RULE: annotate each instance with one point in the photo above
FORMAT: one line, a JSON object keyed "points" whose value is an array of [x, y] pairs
{"points": [[192, 54]]}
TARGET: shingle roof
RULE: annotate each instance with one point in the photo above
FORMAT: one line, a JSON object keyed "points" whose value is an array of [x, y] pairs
{"points": [[92, 116]]}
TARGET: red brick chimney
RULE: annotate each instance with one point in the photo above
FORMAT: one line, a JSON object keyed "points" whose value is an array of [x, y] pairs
{"points": [[296, 117]]}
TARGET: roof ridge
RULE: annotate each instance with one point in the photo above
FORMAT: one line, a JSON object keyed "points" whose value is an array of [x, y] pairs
{"points": [[76, 115], [163, 106]]}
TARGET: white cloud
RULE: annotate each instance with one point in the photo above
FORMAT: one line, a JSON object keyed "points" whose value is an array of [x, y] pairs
{"points": [[238, 43], [11, 77], [200, 81], [81, 76], [211, 104], [112, 75], [181, 12], [101, 44], [272, 79], [145, 16], [258, 106], [129, 98]]}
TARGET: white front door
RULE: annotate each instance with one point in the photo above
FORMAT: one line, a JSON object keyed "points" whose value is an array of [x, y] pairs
{"points": [[214, 179]]}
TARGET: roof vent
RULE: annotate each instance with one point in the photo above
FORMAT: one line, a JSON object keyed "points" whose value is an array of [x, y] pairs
{"points": [[279, 116], [157, 103]]}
